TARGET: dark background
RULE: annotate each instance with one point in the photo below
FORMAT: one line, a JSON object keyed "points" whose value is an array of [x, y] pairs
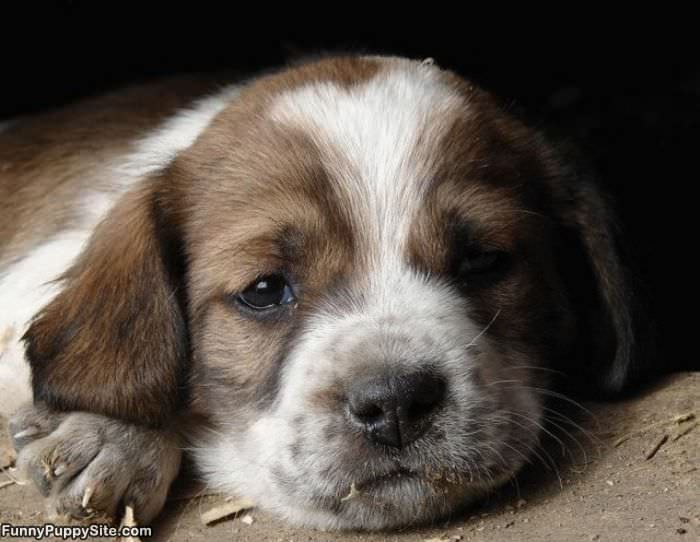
{"points": [[626, 91]]}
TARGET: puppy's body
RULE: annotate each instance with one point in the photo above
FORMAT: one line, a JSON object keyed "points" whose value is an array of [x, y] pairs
{"points": [[427, 259]]}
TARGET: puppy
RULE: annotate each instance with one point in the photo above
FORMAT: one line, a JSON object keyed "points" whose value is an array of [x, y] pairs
{"points": [[341, 287]]}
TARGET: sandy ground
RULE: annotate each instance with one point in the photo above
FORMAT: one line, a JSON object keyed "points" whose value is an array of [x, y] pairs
{"points": [[606, 487]]}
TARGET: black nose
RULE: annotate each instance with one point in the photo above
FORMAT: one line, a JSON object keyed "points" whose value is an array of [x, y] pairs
{"points": [[395, 410]]}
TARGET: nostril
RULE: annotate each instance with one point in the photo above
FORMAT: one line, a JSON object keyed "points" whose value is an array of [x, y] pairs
{"points": [[428, 391], [419, 395], [418, 410], [367, 412]]}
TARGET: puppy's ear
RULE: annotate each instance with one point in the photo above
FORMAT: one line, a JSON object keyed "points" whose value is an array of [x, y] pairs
{"points": [[616, 335], [114, 341]]}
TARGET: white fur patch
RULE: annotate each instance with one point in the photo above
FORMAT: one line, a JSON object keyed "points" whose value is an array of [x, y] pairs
{"points": [[27, 285]]}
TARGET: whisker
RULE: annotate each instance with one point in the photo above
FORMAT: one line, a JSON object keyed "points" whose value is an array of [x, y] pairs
{"points": [[569, 435], [557, 395], [497, 382], [537, 368], [538, 446], [595, 441], [549, 465], [514, 482], [473, 341], [541, 428]]}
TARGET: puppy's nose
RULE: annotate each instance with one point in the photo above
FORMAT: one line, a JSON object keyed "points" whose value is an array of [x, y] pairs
{"points": [[395, 410]]}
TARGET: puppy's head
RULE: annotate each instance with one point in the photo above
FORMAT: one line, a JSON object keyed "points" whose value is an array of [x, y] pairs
{"points": [[360, 273]]}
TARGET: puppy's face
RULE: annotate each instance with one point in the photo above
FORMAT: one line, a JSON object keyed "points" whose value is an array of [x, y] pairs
{"points": [[372, 292], [369, 287]]}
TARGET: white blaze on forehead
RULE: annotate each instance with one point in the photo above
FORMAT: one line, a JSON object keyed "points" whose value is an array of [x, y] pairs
{"points": [[378, 140]]}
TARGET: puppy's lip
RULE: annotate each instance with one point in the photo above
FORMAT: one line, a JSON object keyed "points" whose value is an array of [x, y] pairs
{"points": [[428, 477]]}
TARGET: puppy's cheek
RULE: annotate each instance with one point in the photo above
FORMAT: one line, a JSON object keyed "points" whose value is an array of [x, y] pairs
{"points": [[512, 409], [307, 465], [492, 417]]}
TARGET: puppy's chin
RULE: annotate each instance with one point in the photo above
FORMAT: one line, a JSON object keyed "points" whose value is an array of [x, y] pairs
{"points": [[394, 500]]}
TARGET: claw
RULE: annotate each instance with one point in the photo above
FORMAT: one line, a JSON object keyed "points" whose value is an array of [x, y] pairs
{"points": [[30, 432], [89, 490], [129, 520]]}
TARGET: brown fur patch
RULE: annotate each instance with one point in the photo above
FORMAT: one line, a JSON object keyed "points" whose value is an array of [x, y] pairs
{"points": [[270, 214], [114, 340]]}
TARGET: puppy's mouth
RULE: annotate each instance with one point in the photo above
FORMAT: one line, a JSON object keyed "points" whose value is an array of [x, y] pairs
{"points": [[424, 480], [428, 480], [413, 495]]}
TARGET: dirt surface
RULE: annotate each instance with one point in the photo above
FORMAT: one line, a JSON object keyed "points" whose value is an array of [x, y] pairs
{"points": [[612, 484]]}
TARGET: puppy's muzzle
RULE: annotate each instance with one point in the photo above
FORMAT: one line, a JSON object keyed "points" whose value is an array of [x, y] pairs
{"points": [[395, 410]]}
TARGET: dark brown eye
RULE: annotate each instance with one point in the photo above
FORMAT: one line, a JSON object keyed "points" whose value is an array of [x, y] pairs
{"points": [[481, 262], [481, 268], [267, 292]]}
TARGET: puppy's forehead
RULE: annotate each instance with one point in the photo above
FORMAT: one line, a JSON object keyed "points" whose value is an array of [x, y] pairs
{"points": [[350, 152], [380, 139], [377, 121]]}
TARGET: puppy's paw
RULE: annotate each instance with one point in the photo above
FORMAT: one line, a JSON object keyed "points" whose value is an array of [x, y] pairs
{"points": [[89, 465]]}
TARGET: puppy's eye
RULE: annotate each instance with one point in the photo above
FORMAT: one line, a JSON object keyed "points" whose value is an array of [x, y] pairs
{"points": [[267, 292], [481, 262], [482, 267]]}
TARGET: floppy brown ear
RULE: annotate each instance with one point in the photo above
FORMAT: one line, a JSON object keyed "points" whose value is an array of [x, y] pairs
{"points": [[114, 341], [617, 336]]}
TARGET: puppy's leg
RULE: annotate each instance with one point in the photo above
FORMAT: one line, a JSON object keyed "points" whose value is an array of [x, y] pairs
{"points": [[89, 465]]}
